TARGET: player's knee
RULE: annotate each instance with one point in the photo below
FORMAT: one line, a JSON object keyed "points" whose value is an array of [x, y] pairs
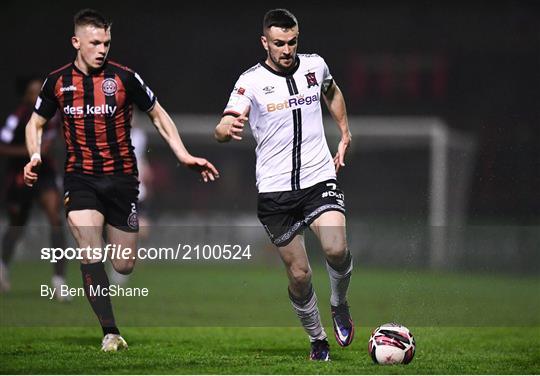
{"points": [[336, 251], [300, 276], [125, 267]]}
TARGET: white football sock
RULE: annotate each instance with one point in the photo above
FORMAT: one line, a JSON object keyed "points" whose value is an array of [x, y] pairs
{"points": [[308, 313], [339, 280]]}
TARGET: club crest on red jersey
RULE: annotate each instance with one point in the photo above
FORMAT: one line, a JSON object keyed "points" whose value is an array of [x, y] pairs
{"points": [[109, 87]]}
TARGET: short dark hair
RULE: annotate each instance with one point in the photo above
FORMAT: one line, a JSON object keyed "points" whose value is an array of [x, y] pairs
{"points": [[279, 18], [91, 17]]}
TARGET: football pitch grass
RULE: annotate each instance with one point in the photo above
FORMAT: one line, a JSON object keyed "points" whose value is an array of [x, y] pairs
{"points": [[236, 319], [263, 351]]}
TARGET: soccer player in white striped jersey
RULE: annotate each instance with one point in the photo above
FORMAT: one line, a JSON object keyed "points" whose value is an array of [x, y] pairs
{"points": [[296, 174]]}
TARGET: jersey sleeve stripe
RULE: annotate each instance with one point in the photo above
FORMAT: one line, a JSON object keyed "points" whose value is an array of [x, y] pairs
{"points": [[60, 69]]}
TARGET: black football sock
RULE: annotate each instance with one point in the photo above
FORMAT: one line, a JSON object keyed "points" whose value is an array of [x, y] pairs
{"points": [[94, 275]]}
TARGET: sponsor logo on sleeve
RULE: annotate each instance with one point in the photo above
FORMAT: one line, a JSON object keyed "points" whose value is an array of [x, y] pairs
{"points": [[38, 103]]}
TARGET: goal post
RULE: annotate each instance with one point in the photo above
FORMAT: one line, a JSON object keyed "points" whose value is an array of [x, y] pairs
{"points": [[407, 185], [447, 154], [447, 198]]}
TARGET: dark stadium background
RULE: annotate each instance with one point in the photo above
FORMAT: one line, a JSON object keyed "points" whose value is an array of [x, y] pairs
{"points": [[477, 67], [473, 64]]}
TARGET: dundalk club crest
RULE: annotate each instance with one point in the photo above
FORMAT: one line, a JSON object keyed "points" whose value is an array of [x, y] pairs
{"points": [[311, 79]]}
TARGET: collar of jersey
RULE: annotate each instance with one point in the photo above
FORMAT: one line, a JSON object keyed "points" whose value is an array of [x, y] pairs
{"points": [[282, 74], [93, 73]]}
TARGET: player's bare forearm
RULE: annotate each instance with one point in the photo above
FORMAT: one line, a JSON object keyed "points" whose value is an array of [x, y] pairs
{"points": [[168, 131], [336, 106], [33, 133], [220, 133]]}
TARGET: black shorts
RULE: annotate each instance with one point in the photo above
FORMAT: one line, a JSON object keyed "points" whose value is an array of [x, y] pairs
{"points": [[285, 214], [114, 196]]}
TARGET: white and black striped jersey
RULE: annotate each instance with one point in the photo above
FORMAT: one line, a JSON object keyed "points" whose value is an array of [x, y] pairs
{"points": [[286, 120]]}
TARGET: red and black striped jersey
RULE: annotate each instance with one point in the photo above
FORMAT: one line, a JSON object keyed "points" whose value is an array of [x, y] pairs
{"points": [[96, 113]]}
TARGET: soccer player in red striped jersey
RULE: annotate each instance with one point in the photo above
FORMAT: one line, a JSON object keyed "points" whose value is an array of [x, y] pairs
{"points": [[95, 97]]}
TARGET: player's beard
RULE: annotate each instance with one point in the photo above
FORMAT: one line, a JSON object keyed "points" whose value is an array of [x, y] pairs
{"points": [[281, 67]]}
